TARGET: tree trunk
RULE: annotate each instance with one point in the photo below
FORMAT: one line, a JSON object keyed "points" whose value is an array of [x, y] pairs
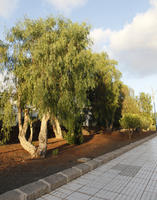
{"points": [[111, 127], [31, 132], [130, 134], [107, 124], [42, 148], [22, 133], [56, 128], [112, 121]]}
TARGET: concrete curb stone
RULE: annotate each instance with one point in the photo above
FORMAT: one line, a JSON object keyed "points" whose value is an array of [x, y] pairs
{"points": [[54, 181], [13, 194], [93, 164], [70, 173], [83, 160], [34, 190], [100, 162], [43, 186], [83, 168]]}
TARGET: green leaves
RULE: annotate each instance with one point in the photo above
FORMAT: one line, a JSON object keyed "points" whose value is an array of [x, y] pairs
{"points": [[134, 121], [52, 67], [145, 104], [131, 121], [104, 98], [7, 115], [137, 111]]}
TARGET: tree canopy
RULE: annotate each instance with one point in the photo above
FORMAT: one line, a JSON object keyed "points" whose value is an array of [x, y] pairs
{"points": [[52, 68], [104, 97]]}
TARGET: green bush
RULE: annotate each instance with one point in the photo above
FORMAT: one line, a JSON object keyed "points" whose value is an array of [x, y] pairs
{"points": [[146, 122], [74, 127], [135, 121], [7, 117], [73, 138], [130, 121]]}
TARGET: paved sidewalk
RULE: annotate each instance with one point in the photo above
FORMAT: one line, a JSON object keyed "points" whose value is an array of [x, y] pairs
{"points": [[131, 176]]}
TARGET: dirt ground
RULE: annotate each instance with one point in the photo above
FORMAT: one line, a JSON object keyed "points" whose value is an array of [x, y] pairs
{"points": [[17, 169]]}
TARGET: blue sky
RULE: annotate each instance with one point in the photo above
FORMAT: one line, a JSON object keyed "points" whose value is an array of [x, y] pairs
{"points": [[126, 29]]}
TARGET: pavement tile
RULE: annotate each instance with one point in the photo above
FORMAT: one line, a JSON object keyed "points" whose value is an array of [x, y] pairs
{"points": [[50, 197], [78, 196], [82, 181], [149, 196], [61, 193], [96, 198], [116, 185], [122, 197], [120, 167], [104, 194], [130, 171], [72, 186], [89, 190], [132, 188]]}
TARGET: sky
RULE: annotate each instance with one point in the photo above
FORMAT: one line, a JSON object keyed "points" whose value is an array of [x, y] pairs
{"points": [[125, 29]]}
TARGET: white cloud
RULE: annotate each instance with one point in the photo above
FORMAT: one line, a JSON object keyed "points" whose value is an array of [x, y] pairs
{"points": [[7, 7], [66, 5], [134, 46], [100, 38], [153, 2]]}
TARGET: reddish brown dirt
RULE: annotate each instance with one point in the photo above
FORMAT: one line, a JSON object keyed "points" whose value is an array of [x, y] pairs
{"points": [[17, 169]]}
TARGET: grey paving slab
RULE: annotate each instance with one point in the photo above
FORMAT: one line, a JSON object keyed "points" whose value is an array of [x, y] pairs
{"points": [[104, 194], [61, 193], [72, 186], [149, 196], [130, 171], [49, 197], [78, 196], [120, 167], [95, 198], [89, 190]]}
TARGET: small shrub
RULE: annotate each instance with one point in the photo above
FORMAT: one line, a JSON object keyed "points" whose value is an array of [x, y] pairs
{"points": [[55, 152], [146, 122], [130, 121], [69, 137], [73, 138], [135, 121]]}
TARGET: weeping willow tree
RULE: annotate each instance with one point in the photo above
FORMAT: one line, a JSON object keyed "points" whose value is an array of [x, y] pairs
{"points": [[52, 68]]}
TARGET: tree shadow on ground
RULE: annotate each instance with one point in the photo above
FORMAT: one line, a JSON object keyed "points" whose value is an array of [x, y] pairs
{"points": [[65, 147]]}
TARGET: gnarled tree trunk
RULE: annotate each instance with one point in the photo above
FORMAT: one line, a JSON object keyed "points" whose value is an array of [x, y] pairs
{"points": [[56, 128], [42, 148], [22, 132]]}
